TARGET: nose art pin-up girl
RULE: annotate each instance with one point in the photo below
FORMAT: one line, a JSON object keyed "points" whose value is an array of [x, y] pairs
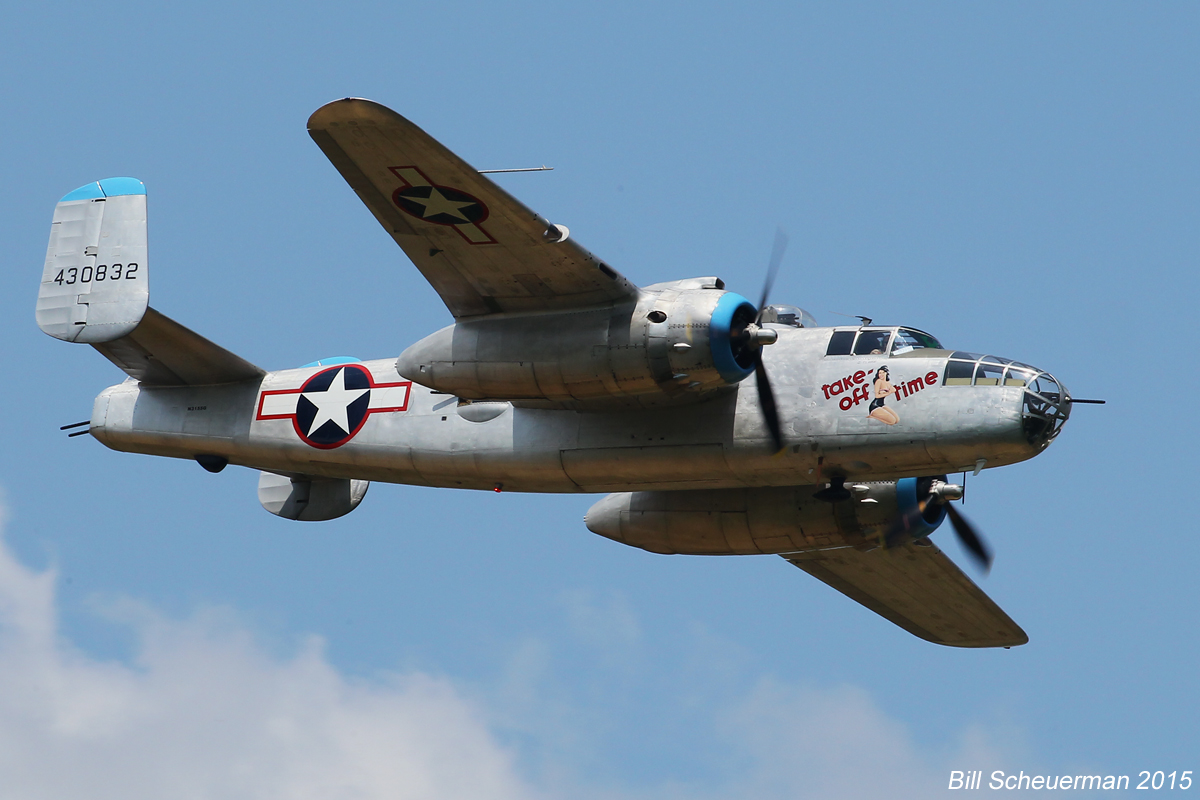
{"points": [[883, 388]]}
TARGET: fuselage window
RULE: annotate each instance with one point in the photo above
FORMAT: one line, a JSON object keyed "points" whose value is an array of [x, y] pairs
{"points": [[988, 374], [1046, 386], [959, 373], [987, 371], [840, 344], [1017, 377], [872, 343]]}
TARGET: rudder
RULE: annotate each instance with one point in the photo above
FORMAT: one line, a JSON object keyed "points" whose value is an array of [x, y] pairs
{"points": [[94, 285]]}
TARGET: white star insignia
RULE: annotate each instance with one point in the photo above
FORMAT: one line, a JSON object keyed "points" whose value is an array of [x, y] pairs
{"points": [[333, 402]]}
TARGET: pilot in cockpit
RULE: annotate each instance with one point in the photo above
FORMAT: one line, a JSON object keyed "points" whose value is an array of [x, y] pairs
{"points": [[872, 343]]}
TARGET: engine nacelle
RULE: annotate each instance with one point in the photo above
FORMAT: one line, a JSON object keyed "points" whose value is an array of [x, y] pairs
{"points": [[679, 340], [309, 499], [765, 520]]}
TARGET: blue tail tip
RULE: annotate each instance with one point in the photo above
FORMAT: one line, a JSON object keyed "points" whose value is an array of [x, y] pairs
{"points": [[109, 187]]}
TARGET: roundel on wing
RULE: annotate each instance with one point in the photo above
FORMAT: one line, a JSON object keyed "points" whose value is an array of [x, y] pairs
{"points": [[440, 204], [333, 405]]}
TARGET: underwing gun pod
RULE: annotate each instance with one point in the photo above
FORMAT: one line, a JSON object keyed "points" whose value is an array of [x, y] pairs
{"points": [[558, 374]]}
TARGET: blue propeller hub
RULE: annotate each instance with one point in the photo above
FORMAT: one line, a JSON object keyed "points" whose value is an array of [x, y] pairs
{"points": [[910, 492], [731, 352]]}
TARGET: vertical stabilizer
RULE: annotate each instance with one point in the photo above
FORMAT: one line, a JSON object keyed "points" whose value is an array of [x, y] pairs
{"points": [[94, 286]]}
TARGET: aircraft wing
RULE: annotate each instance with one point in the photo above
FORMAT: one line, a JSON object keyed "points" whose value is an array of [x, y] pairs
{"points": [[918, 588], [482, 250]]}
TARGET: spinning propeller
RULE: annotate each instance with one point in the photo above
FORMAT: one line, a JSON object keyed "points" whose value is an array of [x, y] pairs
{"points": [[751, 337], [942, 493]]}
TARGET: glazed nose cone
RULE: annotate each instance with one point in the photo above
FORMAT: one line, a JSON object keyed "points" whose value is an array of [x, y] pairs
{"points": [[1045, 408]]}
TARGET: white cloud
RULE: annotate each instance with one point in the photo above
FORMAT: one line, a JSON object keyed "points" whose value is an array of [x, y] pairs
{"points": [[205, 711], [837, 743]]}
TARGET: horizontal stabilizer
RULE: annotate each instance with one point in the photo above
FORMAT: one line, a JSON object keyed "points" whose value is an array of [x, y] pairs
{"points": [[94, 285], [161, 352]]}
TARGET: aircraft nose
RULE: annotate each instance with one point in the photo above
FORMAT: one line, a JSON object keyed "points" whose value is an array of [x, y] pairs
{"points": [[1045, 407]]}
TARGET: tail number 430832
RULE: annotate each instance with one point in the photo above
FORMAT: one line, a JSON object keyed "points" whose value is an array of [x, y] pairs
{"points": [[102, 272]]}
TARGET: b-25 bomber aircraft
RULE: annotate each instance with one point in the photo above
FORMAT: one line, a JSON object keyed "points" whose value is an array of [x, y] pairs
{"points": [[560, 375]]}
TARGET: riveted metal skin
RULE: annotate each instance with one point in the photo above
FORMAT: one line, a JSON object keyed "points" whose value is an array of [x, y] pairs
{"points": [[307, 499], [725, 522], [717, 442], [561, 375], [671, 346]]}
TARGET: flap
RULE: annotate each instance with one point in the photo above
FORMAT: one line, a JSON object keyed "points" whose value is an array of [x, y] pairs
{"points": [[161, 352], [483, 251], [918, 588]]}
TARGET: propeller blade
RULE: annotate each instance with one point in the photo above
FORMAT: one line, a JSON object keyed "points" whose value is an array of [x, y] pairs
{"points": [[766, 401], [969, 538], [766, 397], [897, 534], [777, 251]]}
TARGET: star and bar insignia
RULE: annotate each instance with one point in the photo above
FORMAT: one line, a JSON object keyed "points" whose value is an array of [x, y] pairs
{"points": [[333, 404], [442, 205]]}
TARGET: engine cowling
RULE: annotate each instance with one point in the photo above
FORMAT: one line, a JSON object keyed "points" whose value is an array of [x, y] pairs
{"points": [[679, 340], [764, 520]]}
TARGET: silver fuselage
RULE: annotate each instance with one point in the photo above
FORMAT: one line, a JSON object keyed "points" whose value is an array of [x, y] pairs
{"points": [[719, 442]]}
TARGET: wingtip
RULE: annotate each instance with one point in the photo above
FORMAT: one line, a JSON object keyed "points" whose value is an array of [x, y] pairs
{"points": [[349, 108]]}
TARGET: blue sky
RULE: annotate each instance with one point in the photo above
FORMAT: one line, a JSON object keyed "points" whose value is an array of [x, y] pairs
{"points": [[1018, 179]]}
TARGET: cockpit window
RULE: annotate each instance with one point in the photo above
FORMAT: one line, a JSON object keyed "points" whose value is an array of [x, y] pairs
{"points": [[841, 343], [875, 341], [872, 342], [909, 339]]}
